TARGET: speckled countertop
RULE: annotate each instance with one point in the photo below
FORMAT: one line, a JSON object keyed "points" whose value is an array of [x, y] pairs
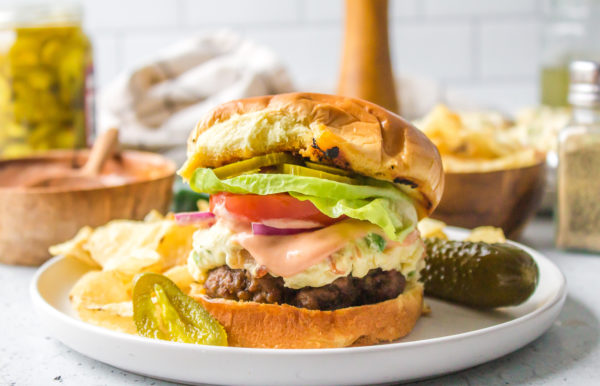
{"points": [[569, 353]]}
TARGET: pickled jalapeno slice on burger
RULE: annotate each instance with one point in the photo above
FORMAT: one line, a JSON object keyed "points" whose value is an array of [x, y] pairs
{"points": [[314, 205]]}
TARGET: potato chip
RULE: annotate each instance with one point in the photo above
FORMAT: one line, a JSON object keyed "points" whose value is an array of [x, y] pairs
{"points": [[443, 128], [154, 216], [196, 290], [487, 234], [94, 297], [485, 118], [75, 249], [129, 246], [120, 308], [156, 244], [180, 275], [426, 310], [176, 245], [539, 126], [476, 142], [429, 227], [522, 158]]}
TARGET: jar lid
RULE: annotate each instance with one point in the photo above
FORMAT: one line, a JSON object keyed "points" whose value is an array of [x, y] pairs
{"points": [[29, 15], [584, 84]]}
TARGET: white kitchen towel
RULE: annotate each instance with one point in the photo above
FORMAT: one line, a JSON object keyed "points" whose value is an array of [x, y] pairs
{"points": [[157, 104]]}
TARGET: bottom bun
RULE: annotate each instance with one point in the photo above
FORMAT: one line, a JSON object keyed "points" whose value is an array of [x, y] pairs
{"points": [[250, 324]]}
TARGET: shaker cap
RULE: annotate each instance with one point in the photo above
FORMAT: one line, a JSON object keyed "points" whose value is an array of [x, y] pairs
{"points": [[584, 83]]}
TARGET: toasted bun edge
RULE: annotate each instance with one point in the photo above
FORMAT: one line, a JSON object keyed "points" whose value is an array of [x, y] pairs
{"points": [[250, 324]]}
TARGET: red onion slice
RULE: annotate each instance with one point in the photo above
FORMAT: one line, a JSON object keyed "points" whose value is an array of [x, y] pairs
{"points": [[265, 230], [189, 218]]}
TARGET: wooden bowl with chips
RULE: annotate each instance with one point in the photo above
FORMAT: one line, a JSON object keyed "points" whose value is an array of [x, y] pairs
{"points": [[492, 176], [507, 199], [33, 218]]}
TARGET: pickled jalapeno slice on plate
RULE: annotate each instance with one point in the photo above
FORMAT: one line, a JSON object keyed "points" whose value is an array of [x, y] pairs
{"points": [[162, 311]]}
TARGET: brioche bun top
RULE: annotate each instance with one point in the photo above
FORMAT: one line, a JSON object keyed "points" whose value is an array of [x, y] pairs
{"points": [[348, 133]]}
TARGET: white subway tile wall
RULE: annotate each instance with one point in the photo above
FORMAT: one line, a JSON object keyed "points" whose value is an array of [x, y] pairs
{"points": [[508, 50], [442, 51], [482, 51], [479, 7], [127, 15]]}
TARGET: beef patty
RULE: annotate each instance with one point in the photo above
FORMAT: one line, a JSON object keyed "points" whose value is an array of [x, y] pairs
{"points": [[348, 291]]}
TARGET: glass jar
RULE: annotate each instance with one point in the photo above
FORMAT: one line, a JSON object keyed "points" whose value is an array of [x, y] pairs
{"points": [[46, 75], [578, 204], [570, 32]]}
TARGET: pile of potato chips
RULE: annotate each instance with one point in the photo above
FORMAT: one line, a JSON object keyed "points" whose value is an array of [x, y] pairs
{"points": [[430, 228], [476, 142], [539, 126], [118, 251]]}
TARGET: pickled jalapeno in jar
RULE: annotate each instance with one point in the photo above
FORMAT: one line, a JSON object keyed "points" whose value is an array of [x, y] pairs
{"points": [[45, 80]]}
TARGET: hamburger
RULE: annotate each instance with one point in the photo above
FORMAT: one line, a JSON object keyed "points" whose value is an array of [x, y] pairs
{"points": [[316, 200]]}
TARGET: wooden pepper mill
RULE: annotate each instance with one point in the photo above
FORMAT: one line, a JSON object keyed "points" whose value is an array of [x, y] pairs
{"points": [[366, 66]]}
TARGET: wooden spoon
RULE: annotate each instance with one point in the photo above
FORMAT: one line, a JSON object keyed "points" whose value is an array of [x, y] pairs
{"points": [[88, 175]]}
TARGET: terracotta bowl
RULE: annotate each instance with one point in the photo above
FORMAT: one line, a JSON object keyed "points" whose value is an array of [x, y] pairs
{"points": [[505, 198], [33, 219]]}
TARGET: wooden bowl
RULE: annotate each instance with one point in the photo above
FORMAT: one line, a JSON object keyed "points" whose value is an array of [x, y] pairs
{"points": [[504, 198], [33, 219]]}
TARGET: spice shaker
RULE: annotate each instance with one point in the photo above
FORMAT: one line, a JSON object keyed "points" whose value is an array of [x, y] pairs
{"points": [[578, 173]]}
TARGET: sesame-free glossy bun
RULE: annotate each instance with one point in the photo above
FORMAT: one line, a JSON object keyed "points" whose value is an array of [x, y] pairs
{"points": [[349, 133], [250, 324]]}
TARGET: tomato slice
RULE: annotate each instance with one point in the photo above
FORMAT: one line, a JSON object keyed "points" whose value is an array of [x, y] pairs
{"points": [[257, 208]]}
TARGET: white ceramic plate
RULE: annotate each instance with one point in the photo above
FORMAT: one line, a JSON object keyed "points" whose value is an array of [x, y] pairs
{"points": [[452, 338]]}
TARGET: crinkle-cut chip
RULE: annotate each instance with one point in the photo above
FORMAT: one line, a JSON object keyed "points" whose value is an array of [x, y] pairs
{"points": [[95, 290], [429, 227], [180, 275], [487, 234], [75, 248], [120, 308]]}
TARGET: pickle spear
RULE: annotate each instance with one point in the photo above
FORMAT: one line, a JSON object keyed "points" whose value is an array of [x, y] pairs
{"points": [[162, 311], [253, 165], [297, 170], [478, 274]]}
